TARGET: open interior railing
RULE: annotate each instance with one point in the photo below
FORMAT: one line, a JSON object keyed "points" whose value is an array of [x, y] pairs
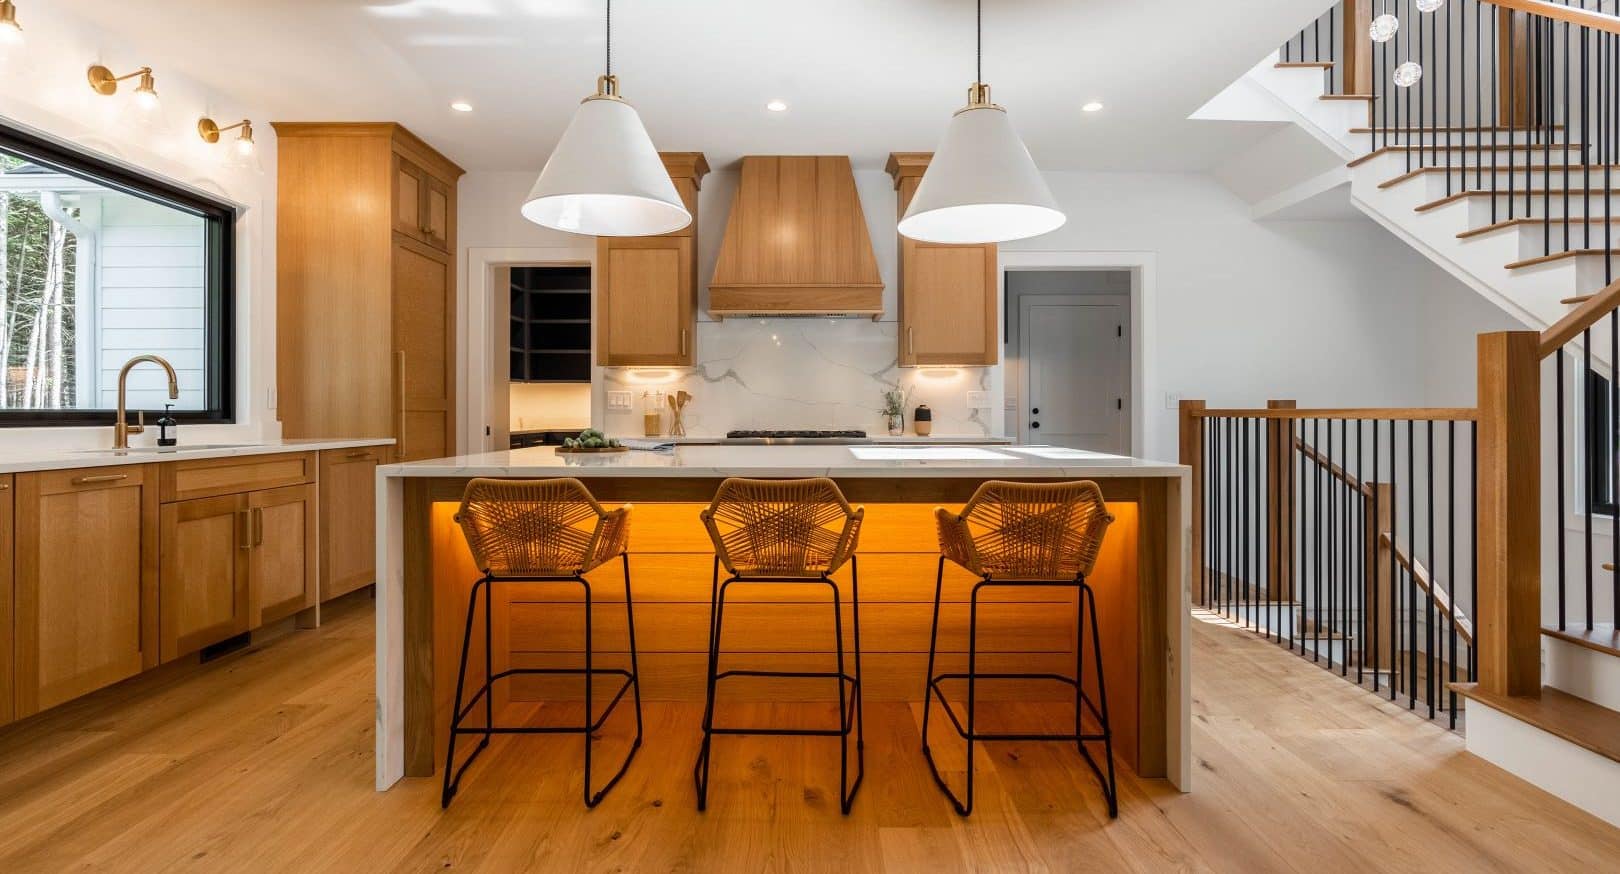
{"points": [[1346, 536], [1519, 99]]}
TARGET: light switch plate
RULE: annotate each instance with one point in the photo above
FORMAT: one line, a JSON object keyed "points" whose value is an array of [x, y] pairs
{"points": [[978, 400], [1172, 401], [620, 400]]}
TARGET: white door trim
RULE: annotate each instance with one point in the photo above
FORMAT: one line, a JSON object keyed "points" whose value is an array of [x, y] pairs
{"points": [[1144, 380], [476, 372], [1025, 301]]}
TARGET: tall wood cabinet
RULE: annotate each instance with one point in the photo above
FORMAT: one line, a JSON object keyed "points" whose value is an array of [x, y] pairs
{"points": [[86, 581], [366, 292], [646, 287], [948, 299]]}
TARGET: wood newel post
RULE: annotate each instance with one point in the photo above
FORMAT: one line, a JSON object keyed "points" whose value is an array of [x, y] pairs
{"points": [[1509, 495], [1357, 48], [1192, 455], [1379, 499], [1280, 475]]}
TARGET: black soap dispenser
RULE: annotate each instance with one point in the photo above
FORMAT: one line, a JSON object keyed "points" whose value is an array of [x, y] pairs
{"points": [[166, 423]]}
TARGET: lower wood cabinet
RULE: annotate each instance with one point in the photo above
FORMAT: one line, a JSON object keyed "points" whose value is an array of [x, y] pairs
{"points": [[204, 573], [86, 578], [348, 509], [233, 563]]}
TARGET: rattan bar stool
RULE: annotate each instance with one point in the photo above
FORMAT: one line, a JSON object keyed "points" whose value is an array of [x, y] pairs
{"points": [[786, 532], [1024, 534], [540, 531]]}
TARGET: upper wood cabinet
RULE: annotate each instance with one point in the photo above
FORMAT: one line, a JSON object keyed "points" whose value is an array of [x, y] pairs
{"points": [[348, 509], [948, 294], [86, 577], [646, 287], [7, 489], [365, 303]]}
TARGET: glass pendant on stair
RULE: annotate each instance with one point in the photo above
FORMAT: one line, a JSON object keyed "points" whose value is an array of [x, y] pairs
{"points": [[1384, 28], [1408, 74], [1429, 5]]}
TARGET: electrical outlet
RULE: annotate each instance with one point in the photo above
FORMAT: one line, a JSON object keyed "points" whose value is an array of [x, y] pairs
{"points": [[978, 400], [620, 400]]}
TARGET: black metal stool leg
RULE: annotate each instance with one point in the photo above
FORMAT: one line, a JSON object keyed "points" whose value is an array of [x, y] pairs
{"points": [[1110, 785], [452, 777], [630, 626], [701, 772], [860, 690], [589, 682]]}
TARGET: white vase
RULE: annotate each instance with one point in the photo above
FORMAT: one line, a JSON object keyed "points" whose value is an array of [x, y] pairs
{"points": [[896, 426]]}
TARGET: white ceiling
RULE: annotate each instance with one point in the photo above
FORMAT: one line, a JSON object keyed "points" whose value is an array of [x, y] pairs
{"points": [[861, 77]]}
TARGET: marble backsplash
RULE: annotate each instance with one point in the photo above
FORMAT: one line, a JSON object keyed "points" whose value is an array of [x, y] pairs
{"points": [[805, 373]]}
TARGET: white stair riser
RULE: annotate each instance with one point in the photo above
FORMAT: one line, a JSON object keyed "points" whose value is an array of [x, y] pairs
{"points": [[1532, 241], [1568, 771], [1537, 206], [1584, 673], [1364, 142]]}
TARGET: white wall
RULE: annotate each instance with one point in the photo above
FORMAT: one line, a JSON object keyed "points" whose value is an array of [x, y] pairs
{"points": [[45, 90], [1242, 310]]}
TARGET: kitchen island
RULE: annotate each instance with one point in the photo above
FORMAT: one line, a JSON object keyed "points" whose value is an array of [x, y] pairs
{"points": [[1141, 582]]}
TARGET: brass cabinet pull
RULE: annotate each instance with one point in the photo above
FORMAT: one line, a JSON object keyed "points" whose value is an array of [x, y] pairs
{"points": [[258, 526], [359, 453], [911, 341], [4, 486], [399, 432], [246, 535], [99, 478], [683, 342]]}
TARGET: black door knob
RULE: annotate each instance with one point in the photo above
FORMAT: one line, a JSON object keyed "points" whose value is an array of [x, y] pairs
{"points": [[1034, 424], [1036, 411]]}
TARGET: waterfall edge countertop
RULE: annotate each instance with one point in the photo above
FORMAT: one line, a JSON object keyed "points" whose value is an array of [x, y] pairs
{"points": [[425, 576], [721, 460]]}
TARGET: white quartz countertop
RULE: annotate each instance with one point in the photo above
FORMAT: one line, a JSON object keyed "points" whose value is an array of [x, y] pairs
{"points": [[25, 460], [872, 439], [698, 461]]}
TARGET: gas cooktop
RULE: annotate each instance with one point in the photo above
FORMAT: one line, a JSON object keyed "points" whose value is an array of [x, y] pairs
{"points": [[795, 436]]}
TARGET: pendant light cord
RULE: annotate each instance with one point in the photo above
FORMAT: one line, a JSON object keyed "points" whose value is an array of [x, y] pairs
{"points": [[610, 37], [978, 46]]}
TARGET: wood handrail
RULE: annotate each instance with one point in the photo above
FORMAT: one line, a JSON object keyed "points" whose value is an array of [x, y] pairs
{"points": [[1442, 600], [1333, 470], [1421, 414], [1574, 15], [1579, 319]]}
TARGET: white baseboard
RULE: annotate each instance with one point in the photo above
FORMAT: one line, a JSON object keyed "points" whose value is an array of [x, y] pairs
{"points": [[1573, 773]]}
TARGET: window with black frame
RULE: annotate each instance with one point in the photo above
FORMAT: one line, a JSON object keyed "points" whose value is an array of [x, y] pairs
{"points": [[102, 264], [1600, 443]]}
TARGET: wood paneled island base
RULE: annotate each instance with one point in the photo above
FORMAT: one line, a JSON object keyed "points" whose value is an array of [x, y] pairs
{"points": [[1140, 580]]}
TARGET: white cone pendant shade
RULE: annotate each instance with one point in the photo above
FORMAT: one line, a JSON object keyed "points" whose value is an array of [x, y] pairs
{"points": [[605, 178], [981, 185]]}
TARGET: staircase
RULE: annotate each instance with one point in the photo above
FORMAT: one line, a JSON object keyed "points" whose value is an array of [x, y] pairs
{"points": [[1502, 165], [1405, 547]]}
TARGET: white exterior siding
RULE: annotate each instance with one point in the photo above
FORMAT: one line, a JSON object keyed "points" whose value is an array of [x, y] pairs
{"points": [[151, 300]]}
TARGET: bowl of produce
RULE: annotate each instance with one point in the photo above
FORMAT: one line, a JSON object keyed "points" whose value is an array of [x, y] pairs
{"points": [[590, 440]]}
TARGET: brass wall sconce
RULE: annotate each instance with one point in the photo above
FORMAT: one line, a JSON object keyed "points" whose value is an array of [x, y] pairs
{"points": [[10, 30], [210, 131], [103, 82]]}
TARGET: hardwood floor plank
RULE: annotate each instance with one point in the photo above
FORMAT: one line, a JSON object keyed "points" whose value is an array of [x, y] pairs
{"points": [[262, 761]]}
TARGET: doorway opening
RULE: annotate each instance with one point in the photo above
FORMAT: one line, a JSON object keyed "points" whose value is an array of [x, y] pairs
{"points": [[1069, 338], [543, 382]]}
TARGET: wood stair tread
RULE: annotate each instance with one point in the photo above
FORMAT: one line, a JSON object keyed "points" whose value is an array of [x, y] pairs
{"points": [[1559, 256], [1555, 149], [1367, 97], [1534, 192], [1590, 726], [1295, 65], [1552, 170], [1536, 220], [1431, 129], [1603, 637]]}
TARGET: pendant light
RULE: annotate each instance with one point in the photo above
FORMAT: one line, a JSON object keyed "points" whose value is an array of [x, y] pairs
{"points": [[981, 186], [605, 178]]}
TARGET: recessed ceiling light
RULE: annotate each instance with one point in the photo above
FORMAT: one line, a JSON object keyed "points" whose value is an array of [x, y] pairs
{"points": [[461, 106], [1093, 106], [776, 106]]}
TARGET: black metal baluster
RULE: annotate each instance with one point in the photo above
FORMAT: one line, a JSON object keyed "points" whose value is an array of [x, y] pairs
{"points": [[1586, 364], [1429, 607], [1316, 533], [1372, 575], [1411, 560], [1614, 459], [1347, 566], [1473, 542], [1360, 546], [1451, 567], [1496, 107], [1332, 539], [1558, 419]]}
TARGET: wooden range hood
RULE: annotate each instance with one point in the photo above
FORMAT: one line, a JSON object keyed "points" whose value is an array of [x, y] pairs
{"points": [[796, 243]]}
